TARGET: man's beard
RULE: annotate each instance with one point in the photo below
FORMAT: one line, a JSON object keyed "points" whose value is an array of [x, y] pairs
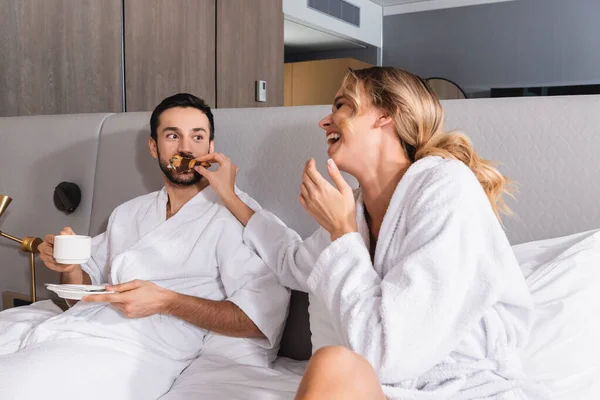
{"points": [[188, 179]]}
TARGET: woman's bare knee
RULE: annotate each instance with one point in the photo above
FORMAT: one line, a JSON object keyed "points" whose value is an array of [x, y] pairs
{"points": [[334, 356], [338, 373]]}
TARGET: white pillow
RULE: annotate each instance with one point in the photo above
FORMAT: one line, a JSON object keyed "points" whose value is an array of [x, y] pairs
{"points": [[563, 275]]}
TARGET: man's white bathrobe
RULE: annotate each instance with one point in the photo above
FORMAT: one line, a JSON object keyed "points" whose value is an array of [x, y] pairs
{"points": [[441, 312], [94, 350]]}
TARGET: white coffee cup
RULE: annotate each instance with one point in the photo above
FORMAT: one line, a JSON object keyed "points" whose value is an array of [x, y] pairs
{"points": [[72, 249]]}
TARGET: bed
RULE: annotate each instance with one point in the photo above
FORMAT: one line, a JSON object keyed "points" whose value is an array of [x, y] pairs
{"points": [[550, 146]]}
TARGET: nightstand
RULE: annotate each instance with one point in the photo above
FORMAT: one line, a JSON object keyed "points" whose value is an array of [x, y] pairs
{"points": [[14, 299]]}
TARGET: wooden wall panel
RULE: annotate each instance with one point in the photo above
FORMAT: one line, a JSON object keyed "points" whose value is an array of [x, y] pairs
{"points": [[249, 48], [169, 48], [317, 82], [288, 71], [60, 56]]}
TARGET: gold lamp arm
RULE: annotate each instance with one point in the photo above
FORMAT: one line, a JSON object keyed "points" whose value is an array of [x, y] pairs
{"points": [[32, 271], [30, 245], [11, 237]]}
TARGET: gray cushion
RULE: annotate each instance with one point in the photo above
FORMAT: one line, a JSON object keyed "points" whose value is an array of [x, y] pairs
{"points": [[295, 342], [125, 168], [36, 154]]}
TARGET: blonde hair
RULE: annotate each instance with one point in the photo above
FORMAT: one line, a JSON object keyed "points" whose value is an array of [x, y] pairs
{"points": [[419, 121]]}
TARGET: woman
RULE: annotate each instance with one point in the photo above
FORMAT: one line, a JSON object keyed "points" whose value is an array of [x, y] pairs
{"points": [[412, 272]]}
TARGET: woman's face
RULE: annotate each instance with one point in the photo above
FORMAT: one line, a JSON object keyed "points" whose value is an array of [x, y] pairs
{"points": [[352, 142]]}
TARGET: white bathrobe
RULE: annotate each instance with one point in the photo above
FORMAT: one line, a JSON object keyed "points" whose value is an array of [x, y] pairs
{"points": [[199, 252], [441, 312]]}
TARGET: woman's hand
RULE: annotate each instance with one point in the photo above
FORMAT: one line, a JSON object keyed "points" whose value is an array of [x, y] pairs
{"points": [[334, 208], [223, 179], [223, 182]]}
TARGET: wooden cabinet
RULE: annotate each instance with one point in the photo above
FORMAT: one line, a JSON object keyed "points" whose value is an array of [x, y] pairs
{"points": [[85, 56], [60, 56], [316, 82], [287, 83], [249, 48], [215, 49], [169, 48]]}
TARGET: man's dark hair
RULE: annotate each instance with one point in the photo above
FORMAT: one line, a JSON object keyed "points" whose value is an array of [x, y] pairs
{"points": [[181, 100]]}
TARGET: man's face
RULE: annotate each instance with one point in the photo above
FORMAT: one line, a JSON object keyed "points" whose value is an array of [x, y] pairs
{"points": [[183, 131]]}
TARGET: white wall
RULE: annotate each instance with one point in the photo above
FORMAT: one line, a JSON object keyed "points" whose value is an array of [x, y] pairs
{"points": [[513, 44], [371, 20]]}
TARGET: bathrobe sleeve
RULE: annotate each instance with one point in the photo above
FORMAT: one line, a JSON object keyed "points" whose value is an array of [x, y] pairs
{"points": [[251, 285], [98, 266], [283, 250], [443, 275]]}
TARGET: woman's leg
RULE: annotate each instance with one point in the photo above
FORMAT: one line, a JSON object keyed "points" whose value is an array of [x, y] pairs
{"points": [[338, 373]]}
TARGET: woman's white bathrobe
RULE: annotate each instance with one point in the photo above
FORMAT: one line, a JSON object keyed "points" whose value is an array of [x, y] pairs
{"points": [[444, 308]]}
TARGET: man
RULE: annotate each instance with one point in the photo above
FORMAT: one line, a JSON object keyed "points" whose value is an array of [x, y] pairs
{"points": [[184, 285]]}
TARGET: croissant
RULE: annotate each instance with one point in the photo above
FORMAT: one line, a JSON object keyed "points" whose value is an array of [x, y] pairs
{"points": [[186, 164]]}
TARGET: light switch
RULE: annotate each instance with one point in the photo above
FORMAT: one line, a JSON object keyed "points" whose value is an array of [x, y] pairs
{"points": [[261, 91]]}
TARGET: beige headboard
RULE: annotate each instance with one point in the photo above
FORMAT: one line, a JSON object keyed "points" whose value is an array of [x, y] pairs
{"points": [[549, 146]]}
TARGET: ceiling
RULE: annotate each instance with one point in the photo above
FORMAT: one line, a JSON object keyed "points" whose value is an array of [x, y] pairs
{"points": [[395, 2], [300, 38], [391, 7]]}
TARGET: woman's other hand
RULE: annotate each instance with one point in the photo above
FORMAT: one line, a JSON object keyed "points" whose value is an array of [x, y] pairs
{"points": [[334, 208]]}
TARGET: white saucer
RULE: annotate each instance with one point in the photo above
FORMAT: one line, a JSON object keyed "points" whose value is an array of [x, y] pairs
{"points": [[76, 292]]}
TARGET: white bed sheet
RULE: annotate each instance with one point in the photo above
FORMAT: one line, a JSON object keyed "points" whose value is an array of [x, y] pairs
{"points": [[206, 378], [220, 378]]}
